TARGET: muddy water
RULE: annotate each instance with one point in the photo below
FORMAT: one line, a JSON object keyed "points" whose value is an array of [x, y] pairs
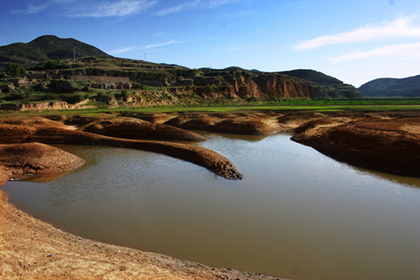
{"points": [[297, 213]]}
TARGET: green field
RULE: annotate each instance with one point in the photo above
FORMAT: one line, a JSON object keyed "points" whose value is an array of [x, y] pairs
{"points": [[303, 104]]}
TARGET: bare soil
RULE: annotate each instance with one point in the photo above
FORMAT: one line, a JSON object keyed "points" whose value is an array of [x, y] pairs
{"points": [[32, 249], [385, 142], [17, 130]]}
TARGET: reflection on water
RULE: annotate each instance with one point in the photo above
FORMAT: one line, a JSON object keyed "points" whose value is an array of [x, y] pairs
{"points": [[296, 214]]}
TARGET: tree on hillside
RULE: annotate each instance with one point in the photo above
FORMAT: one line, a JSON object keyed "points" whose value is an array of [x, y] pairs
{"points": [[14, 69]]}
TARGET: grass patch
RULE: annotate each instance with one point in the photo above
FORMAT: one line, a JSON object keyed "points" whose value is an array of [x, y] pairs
{"points": [[220, 108]]}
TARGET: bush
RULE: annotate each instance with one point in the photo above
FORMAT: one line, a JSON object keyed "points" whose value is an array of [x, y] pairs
{"points": [[211, 88], [14, 69], [125, 93], [51, 96], [15, 96], [73, 98]]}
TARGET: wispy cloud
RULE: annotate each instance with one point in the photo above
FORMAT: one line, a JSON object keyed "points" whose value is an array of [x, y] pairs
{"points": [[407, 51], [217, 3], [163, 44], [161, 33], [195, 4], [89, 8], [403, 27], [118, 51], [178, 8], [117, 9], [33, 9]]}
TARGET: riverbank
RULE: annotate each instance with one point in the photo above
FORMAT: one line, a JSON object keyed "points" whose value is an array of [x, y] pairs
{"points": [[32, 249]]}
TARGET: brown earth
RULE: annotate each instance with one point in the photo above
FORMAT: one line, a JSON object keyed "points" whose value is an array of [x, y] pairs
{"points": [[20, 161], [130, 128], [239, 123], [19, 130], [386, 141], [32, 249]]}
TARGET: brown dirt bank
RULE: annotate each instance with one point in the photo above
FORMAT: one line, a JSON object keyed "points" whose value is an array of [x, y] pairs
{"points": [[387, 141], [131, 128], [384, 142], [235, 123], [27, 243], [32, 249], [35, 159], [49, 132]]}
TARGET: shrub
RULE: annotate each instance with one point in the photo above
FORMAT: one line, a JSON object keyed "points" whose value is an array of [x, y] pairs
{"points": [[125, 93], [14, 69]]}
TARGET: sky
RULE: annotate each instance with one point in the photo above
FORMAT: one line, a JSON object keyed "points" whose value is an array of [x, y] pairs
{"points": [[355, 41]]}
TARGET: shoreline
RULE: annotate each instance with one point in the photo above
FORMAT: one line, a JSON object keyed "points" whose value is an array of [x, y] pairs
{"points": [[380, 141], [33, 249]]}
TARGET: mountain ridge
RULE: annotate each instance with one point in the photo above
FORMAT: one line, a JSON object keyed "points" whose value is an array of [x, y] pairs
{"points": [[49, 59], [392, 87], [47, 47]]}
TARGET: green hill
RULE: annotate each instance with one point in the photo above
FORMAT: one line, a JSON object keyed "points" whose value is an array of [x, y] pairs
{"points": [[47, 48], [389, 87]]}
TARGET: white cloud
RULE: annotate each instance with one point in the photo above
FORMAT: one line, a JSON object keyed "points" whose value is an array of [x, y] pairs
{"points": [[32, 9], [163, 44], [216, 3], [407, 51], [86, 8], [118, 9], [195, 4], [400, 28], [118, 51], [178, 8]]}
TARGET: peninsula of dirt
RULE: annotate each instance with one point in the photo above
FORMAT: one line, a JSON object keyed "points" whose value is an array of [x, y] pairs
{"points": [[20, 130]]}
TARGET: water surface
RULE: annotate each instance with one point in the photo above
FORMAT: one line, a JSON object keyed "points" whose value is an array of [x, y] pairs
{"points": [[296, 213]]}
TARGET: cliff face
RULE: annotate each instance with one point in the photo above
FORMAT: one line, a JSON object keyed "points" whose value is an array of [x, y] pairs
{"points": [[263, 86], [280, 86]]}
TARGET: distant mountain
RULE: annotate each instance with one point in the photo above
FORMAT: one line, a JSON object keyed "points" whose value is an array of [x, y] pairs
{"points": [[320, 78], [47, 48], [389, 87]]}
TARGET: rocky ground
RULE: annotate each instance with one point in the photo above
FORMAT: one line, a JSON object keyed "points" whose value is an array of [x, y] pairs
{"points": [[32, 249]]}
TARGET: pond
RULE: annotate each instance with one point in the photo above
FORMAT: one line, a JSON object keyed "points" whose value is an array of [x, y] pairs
{"points": [[296, 213]]}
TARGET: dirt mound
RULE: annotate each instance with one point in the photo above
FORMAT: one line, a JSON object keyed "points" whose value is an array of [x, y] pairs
{"points": [[153, 118], [209, 159], [378, 144], [35, 159], [139, 129], [238, 123]]}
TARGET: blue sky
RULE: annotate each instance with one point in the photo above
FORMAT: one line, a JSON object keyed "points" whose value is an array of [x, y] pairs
{"points": [[354, 41]]}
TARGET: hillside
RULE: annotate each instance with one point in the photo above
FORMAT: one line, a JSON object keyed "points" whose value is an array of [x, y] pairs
{"points": [[389, 87], [47, 48], [44, 70], [333, 86]]}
